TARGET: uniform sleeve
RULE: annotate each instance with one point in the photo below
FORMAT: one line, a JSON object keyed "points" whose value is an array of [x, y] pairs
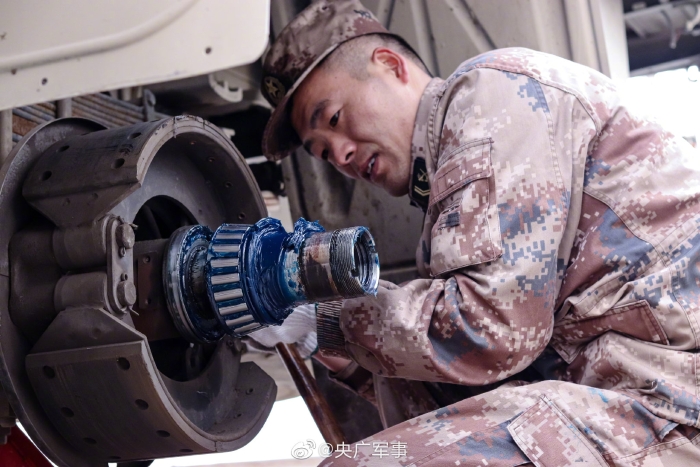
{"points": [[495, 238]]}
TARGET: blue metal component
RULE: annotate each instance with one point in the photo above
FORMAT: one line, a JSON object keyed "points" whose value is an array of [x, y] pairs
{"points": [[224, 285], [291, 281], [185, 288], [243, 278], [253, 273]]}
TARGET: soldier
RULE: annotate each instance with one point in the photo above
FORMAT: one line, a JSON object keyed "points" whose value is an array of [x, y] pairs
{"points": [[561, 235]]}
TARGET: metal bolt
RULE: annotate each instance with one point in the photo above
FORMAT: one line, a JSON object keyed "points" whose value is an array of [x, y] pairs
{"points": [[125, 236], [126, 293]]}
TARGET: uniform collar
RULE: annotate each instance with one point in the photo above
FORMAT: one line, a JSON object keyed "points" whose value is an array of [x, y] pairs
{"points": [[421, 160]]}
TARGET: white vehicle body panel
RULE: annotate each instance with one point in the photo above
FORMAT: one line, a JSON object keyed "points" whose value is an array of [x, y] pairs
{"points": [[53, 50]]}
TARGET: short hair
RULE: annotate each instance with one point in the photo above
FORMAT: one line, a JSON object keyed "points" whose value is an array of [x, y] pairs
{"points": [[352, 56]]}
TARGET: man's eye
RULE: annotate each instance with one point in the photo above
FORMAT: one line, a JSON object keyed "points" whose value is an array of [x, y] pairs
{"points": [[324, 155], [334, 119]]}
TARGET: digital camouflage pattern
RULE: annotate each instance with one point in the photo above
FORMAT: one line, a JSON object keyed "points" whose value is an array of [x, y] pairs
{"points": [[562, 233], [547, 424]]}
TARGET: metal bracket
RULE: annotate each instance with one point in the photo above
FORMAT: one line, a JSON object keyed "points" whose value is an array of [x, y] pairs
{"points": [[106, 244], [149, 105], [120, 266]]}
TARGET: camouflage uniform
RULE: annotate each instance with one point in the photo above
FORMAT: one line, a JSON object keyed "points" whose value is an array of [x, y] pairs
{"points": [[561, 232]]}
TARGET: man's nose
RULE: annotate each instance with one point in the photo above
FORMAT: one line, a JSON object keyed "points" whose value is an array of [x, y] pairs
{"points": [[343, 151]]}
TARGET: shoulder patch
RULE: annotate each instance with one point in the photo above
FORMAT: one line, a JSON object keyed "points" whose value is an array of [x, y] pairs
{"points": [[420, 184]]}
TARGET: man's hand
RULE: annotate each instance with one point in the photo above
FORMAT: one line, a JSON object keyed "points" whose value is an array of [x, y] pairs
{"points": [[299, 328]]}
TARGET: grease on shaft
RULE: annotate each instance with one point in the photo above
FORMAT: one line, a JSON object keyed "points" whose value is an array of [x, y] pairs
{"points": [[255, 275]]}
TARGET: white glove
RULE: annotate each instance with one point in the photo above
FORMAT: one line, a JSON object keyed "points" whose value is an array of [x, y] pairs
{"points": [[299, 328]]}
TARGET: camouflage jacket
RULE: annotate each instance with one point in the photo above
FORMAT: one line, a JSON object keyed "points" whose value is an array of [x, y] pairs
{"points": [[561, 231]]}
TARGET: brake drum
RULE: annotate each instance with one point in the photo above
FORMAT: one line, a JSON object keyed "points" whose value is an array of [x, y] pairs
{"points": [[89, 360]]}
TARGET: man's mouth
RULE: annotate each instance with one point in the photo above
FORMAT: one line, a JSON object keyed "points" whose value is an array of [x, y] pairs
{"points": [[370, 166]]}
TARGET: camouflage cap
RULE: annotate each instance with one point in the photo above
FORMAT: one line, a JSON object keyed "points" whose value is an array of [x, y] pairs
{"points": [[303, 44]]}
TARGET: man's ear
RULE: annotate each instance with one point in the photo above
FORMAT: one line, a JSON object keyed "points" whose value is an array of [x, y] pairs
{"points": [[389, 61]]}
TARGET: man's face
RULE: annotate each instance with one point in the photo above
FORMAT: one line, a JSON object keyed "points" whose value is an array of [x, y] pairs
{"points": [[362, 127]]}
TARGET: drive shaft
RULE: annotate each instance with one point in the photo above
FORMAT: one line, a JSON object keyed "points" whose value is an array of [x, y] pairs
{"points": [[242, 278]]}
